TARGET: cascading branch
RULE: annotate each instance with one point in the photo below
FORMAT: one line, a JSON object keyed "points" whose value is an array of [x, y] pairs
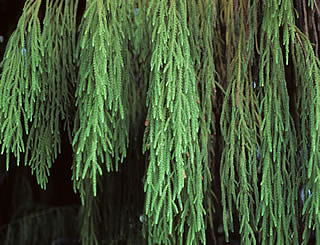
{"points": [[44, 139], [279, 191], [21, 84], [307, 71], [173, 183], [202, 52], [173, 54], [94, 208], [240, 121], [100, 130], [260, 125], [40, 86]]}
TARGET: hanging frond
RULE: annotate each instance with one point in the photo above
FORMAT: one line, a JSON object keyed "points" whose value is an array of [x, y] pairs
{"points": [[278, 139], [100, 130], [240, 122], [307, 69], [223, 97], [173, 184], [21, 84]]}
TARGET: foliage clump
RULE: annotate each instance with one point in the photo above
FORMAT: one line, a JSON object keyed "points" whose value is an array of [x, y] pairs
{"points": [[221, 97]]}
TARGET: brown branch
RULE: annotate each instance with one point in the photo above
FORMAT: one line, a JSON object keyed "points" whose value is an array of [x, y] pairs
{"points": [[305, 14], [315, 33], [317, 7]]}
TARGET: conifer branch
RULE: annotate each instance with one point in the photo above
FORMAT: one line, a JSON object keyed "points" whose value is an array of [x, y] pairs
{"points": [[100, 131]]}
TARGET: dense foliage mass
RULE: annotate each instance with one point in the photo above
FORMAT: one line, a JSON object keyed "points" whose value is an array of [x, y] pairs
{"points": [[212, 105]]}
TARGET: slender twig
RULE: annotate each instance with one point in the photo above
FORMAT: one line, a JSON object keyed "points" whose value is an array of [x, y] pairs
{"points": [[305, 19], [315, 33], [317, 7]]}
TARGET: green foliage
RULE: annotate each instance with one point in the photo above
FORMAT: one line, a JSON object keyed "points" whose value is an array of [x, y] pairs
{"points": [[21, 83], [277, 133], [100, 130], [222, 96], [174, 183], [307, 69], [35, 91], [240, 122]]}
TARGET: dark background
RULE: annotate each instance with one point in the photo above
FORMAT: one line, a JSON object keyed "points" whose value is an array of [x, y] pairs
{"points": [[10, 11]]}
